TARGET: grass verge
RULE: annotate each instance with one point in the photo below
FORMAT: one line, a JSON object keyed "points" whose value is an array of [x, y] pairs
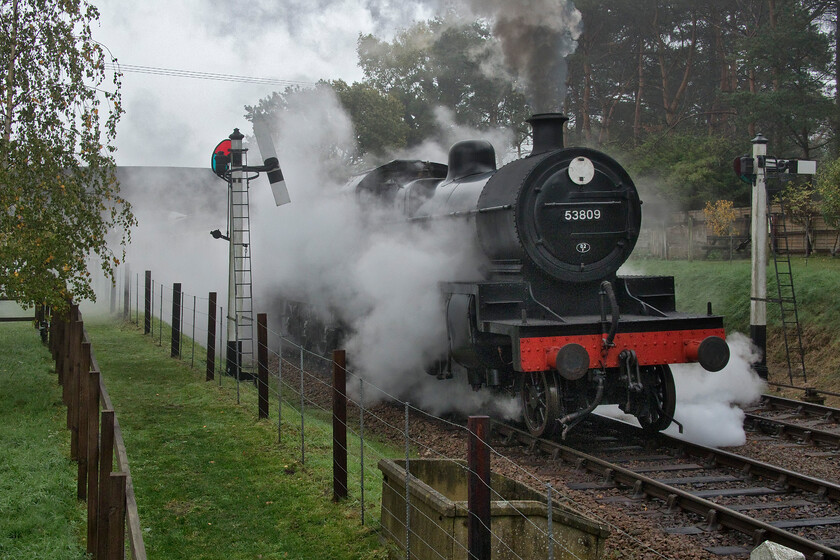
{"points": [[211, 480], [39, 514], [727, 285]]}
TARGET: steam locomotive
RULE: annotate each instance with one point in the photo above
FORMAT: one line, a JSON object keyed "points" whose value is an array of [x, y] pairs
{"points": [[550, 320]]}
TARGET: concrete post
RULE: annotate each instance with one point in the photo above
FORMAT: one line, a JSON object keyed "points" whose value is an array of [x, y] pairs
{"points": [[771, 551], [758, 231]]}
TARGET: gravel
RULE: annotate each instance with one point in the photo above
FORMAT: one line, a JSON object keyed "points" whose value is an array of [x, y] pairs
{"points": [[636, 531]]}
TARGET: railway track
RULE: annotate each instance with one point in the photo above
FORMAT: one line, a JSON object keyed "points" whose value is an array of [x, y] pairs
{"points": [[671, 484], [720, 490], [804, 422]]}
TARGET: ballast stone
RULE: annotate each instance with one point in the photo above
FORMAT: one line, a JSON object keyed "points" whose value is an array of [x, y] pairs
{"points": [[772, 551]]}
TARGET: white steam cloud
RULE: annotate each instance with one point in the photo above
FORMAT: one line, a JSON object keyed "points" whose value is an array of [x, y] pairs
{"points": [[450, 132], [366, 267], [176, 208], [708, 404]]}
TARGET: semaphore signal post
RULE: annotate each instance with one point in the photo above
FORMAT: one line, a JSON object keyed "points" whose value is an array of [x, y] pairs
{"points": [[229, 161], [756, 170]]}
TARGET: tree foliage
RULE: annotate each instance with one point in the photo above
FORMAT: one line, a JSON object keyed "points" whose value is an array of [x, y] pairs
{"points": [[801, 207], [721, 68], [675, 89], [444, 63], [828, 188], [689, 170], [720, 215], [58, 191], [377, 117]]}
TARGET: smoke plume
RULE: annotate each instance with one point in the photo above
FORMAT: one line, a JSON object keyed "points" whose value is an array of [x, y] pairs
{"points": [[535, 37]]}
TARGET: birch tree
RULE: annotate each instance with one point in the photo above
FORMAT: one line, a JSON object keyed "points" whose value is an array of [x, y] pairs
{"points": [[59, 108]]}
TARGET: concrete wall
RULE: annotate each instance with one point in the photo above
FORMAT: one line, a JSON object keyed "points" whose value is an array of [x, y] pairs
{"points": [[438, 516]]}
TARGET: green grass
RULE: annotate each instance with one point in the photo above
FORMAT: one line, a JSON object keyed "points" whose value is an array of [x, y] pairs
{"points": [[727, 285], [39, 514], [210, 479]]}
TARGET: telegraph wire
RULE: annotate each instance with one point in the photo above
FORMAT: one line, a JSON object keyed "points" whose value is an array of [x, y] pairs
{"points": [[157, 71]]}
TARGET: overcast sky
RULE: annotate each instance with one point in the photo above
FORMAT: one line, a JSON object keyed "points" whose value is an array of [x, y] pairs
{"points": [[175, 121]]}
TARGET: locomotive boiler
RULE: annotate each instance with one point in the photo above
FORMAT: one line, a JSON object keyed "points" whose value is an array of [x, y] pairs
{"points": [[551, 320]]}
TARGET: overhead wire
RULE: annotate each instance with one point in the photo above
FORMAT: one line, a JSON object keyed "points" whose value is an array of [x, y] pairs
{"points": [[178, 73]]}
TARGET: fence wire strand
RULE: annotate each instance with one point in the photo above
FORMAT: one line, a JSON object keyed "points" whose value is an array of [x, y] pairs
{"points": [[285, 391]]}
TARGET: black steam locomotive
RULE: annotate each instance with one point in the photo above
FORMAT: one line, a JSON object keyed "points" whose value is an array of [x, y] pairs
{"points": [[551, 320]]}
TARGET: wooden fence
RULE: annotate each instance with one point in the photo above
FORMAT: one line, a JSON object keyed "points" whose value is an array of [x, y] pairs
{"points": [[683, 235], [95, 441]]}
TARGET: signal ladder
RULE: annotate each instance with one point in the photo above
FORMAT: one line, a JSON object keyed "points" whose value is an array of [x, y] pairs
{"points": [[791, 330], [241, 239]]}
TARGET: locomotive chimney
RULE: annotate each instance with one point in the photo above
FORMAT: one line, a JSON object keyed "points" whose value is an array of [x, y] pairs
{"points": [[548, 132]]}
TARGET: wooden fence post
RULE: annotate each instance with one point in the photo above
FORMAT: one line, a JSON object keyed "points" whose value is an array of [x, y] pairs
{"points": [[147, 304], [71, 391], [116, 517], [64, 325], [127, 292], [262, 364], [53, 336], [339, 425], [93, 459], [74, 406], [176, 320], [106, 464], [211, 337], [478, 489], [70, 353], [83, 391]]}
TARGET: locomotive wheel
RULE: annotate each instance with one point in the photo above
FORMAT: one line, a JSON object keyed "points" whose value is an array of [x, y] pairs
{"points": [[540, 398], [663, 399]]}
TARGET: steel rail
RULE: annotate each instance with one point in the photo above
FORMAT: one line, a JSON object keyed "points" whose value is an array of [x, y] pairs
{"points": [[782, 428], [770, 402], [806, 389], [752, 467], [716, 515]]}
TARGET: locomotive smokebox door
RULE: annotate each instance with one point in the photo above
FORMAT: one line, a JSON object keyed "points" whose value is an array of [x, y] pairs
{"points": [[573, 213]]}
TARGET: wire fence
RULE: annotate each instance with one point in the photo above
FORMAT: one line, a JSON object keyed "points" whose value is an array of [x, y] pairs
{"points": [[417, 501]]}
